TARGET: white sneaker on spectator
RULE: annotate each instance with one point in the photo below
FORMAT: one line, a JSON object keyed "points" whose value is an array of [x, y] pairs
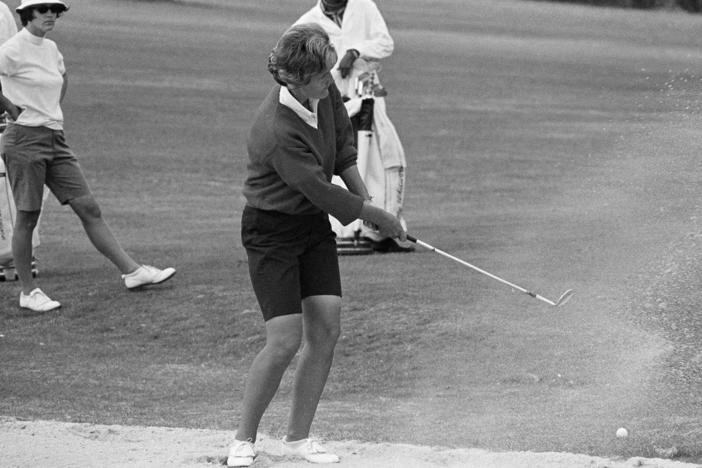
{"points": [[311, 450], [147, 274], [37, 301], [241, 453]]}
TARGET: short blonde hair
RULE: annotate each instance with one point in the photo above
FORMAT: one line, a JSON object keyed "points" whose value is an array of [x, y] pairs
{"points": [[302, 51]]}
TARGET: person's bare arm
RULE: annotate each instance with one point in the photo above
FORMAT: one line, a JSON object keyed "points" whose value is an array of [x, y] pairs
{"points": [[7, 106], [64, 87]]}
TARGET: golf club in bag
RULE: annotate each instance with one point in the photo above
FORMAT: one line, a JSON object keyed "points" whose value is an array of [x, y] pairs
{"points": [[565, 297]]}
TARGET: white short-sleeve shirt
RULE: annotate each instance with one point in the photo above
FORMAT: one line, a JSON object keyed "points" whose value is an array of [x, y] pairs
{"points": [[31, 74]]}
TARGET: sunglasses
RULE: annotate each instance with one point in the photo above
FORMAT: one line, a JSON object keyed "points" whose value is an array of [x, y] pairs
{"points": [[42, 9]]}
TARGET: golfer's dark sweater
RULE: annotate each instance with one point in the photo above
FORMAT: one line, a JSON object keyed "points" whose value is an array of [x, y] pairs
{"points": [[291, 163]]}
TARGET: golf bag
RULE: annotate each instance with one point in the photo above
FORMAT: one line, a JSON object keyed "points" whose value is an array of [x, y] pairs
{"points": [[381, 157], [8, 214]]}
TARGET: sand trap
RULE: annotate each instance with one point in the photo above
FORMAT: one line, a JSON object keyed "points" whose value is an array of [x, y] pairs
{"points": [[39, 444]]}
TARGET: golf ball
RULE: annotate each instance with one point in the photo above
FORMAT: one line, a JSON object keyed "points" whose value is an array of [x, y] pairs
{"points": [[622, 432]]}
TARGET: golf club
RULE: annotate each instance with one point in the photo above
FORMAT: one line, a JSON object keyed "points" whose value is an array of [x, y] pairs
{"points": [[565, 297]]}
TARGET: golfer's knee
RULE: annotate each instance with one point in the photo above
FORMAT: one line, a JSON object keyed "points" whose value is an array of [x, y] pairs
{"points": [[323, 314], [332, 332], [282, 351], [324, 335]]}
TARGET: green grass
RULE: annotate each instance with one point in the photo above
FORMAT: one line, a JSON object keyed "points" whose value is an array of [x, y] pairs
{"points": [[553, 145]]}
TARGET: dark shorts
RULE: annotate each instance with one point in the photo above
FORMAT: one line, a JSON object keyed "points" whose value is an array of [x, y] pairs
{"points": [[290, 257], [38, 156]]}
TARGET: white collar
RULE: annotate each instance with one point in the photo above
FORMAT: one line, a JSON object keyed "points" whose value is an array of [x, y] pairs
{"points": [[36, 40], [288, 100]]}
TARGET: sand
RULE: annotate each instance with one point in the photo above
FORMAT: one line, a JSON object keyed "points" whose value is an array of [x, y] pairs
{"points": [[54, 444]]}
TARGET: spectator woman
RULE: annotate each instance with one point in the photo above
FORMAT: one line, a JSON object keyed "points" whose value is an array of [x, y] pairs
{"points": [[34, 149], [300, 138]]}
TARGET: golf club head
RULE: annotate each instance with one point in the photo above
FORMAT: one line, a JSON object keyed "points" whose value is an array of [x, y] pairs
{"points": [[565, 297]]}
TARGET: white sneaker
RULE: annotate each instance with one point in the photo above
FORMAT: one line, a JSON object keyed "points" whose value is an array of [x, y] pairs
{"points": [[311, 450], [147, 274], [242, 453], [37, 301]]}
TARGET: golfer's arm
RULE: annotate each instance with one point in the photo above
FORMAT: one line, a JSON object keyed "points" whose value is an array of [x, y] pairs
{"points": [[388, 224], [354, 183]]}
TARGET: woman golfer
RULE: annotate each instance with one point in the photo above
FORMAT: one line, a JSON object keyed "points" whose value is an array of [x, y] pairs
{"points": [[301, 136], [35, 153]]}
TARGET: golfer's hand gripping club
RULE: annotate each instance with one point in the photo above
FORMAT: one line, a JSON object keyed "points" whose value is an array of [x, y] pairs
{"points": [[388, 225], [565, 297]]}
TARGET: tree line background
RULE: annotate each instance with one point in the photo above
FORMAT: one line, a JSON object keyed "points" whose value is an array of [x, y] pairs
{"points": [[689, 5]]}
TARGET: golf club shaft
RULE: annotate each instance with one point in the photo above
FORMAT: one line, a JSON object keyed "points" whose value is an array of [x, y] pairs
{"points": [[479, 270]]}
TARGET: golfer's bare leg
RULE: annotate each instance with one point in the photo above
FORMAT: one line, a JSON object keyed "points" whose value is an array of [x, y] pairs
{"points": [[24, 227], [100, 234], [283, 337], [321, 322]]}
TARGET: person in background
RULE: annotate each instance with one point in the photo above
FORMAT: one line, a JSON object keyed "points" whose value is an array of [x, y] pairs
{"points": [[35, 152], [361, 38], [8, 28], [300, 137]]}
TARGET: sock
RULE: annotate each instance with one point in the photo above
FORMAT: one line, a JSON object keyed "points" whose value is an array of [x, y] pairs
{"points": [[296, 444]]}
